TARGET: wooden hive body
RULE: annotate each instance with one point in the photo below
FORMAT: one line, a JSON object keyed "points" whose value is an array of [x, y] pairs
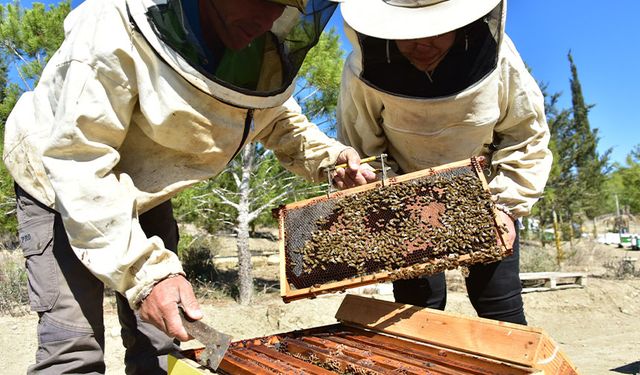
{"points": [[379, 337]]}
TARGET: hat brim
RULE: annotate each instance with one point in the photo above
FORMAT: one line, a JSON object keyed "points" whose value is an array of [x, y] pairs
{"points": [[381, 20]]}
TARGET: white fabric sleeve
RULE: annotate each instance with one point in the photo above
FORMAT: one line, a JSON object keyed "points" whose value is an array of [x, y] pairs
{"points": [[522, 160], [298, 144], [97, 204]]}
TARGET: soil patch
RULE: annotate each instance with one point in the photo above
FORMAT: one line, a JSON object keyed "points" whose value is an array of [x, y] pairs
{"points": [[596, 326]]}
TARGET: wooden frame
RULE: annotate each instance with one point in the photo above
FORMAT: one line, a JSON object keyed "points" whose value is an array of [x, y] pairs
{"points": [[514, 343], [290, 294], [419, 340]]}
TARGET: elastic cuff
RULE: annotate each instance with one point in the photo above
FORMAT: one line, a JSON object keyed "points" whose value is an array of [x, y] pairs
{"points": [[146, 291]]}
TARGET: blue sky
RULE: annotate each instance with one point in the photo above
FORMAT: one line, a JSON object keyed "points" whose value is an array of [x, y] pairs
{"points": [[602, 37]]}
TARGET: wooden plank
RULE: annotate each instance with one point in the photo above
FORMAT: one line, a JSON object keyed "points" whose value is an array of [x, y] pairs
{"points": [[456, 360], [285, 289], [546, 275], [232, 364], [548, 289], [552, 280], [335, 361], [267, 362], [552, 360], [488, 338], [303, 367]]}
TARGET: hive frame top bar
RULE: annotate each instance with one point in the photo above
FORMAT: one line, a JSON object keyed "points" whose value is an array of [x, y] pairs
{"points": [[476, 162]]}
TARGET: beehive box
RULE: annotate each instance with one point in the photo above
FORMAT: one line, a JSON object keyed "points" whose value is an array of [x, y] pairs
{"points": [[380, 337], [403, 227]]}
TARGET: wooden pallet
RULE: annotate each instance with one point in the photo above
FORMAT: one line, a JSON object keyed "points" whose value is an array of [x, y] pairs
{"points": [[545, 281], [381, 337]]}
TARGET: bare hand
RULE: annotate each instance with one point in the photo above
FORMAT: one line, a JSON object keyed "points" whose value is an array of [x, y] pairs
{"points": [[160, 308], [354, 174], [511, 228]]}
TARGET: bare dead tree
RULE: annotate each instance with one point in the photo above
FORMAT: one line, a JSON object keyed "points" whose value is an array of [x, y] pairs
{"points": [[249, 196]]}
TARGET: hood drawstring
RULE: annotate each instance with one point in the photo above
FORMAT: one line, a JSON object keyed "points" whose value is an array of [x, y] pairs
{"points": [[466, 41], [388, 54], [248, 122]]}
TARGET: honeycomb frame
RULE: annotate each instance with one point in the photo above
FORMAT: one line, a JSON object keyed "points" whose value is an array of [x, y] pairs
{"points": [[291, 286]]}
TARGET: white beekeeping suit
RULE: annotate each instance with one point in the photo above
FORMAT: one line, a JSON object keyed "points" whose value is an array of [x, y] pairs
{"points": [[147, 97], [431, 82], [479, 100]]}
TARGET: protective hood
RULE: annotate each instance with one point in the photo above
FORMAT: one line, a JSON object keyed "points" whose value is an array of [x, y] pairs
{"points": [[424, 48], [246, 53], [412, 19]]}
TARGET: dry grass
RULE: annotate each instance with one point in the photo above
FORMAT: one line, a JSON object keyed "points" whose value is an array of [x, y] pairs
{"points": [[581, 255], [14, 298]]}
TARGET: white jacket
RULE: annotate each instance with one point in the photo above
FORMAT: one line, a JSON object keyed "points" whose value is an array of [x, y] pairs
{"points": [[505, 108], [111, 131]]}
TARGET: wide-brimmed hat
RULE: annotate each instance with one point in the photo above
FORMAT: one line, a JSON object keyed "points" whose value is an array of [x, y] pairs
{"points": [[412, 19]]}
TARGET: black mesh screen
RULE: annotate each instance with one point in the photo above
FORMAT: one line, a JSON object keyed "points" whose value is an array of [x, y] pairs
{"points": [[432, 219]]}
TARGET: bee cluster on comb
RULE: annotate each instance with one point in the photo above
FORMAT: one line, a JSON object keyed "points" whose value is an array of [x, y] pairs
{"points": [[426, 223]]}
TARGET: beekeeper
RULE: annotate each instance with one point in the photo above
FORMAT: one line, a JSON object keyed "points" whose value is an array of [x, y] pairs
{"points": [[143, 99], [431, 82]]}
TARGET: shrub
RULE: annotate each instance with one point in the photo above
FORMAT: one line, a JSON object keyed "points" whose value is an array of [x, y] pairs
{"points": [[621, 268], [196, 254], [14, 298], [535, 258]]}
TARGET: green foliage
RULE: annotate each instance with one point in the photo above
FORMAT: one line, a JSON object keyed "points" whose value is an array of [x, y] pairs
{"points": [[28, 37], [319, 82], [558, 190], [278, 180], [187, 206], [577, 179], [196, 254], [589, 168], [13, 284], [624, 182]]}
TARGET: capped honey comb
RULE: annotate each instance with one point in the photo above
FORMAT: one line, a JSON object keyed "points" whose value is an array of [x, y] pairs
{"points": [[411, 225]]}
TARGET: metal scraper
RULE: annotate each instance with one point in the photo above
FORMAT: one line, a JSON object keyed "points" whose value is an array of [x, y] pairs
{"points": [[216, 343]]}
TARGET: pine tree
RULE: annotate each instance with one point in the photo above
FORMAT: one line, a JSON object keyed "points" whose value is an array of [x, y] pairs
{"points": [[28, 38], [590, 167], [560, 189]]}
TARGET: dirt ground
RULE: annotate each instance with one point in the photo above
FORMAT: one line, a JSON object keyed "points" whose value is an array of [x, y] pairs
{"points": [[597, 326]]}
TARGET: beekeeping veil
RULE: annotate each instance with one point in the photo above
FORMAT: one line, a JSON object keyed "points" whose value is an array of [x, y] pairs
{"points": [[374, 26], [246, 53]]}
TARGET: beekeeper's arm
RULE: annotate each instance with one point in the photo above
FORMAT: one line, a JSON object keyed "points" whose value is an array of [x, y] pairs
{"points": [[97, 205], [522, 161], [306, 151]]}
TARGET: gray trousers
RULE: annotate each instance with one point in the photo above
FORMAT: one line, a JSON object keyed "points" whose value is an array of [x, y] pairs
{"points": [[68, 298]]}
